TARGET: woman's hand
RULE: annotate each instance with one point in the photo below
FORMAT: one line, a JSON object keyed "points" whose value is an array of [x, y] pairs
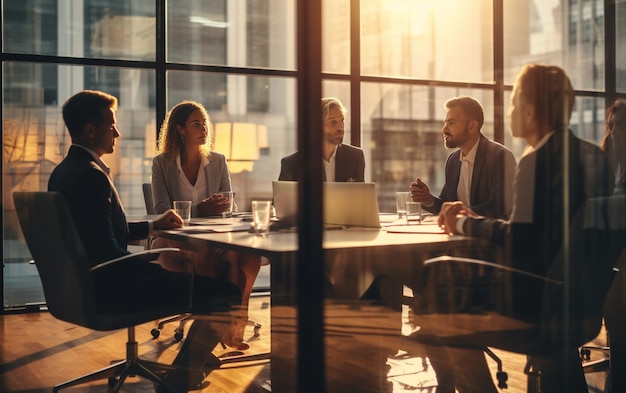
{"points": [[213, 205]]}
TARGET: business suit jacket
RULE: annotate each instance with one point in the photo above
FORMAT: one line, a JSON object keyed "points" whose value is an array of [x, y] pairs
{"points": [[134, 284], [534, 235], [95, 206], [491, 191], [166, 185], [349, 165]]}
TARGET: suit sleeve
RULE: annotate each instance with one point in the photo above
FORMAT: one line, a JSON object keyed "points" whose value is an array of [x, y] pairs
{"points": [[92, 201], [360, 169], [286, 173], [498, 195], [161, 198]]}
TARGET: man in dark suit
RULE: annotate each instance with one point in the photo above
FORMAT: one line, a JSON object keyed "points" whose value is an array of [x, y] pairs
{"points": [[342, 163], [555, 175], [480, 172], [84, 180]]}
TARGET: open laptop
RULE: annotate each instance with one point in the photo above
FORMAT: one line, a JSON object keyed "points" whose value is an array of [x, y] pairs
{"points": [[345, 204]]}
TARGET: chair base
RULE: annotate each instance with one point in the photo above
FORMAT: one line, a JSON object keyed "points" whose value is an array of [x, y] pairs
{"points": [[118, 372], [131, 366]]}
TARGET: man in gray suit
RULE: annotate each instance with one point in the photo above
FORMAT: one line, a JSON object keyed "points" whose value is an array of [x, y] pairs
{"points": [[342, 163], [480, 172]]}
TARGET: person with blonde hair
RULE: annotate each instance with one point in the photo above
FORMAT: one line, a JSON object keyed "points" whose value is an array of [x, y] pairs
{"points": [[186, 169], [341, 162]]}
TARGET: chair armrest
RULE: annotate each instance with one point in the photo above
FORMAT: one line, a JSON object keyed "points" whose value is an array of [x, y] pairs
{"points": [[447, 258], [135, 254]]}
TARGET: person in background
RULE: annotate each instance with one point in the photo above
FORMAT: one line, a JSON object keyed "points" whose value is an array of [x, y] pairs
{"points": [[614, 143], [84, 180], [185, 169], [614, 146], [479, 172], [540, 110], [342, 163]]}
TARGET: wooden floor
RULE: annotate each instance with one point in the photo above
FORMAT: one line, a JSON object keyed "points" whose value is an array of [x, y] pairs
{"points": [[38, 352]]}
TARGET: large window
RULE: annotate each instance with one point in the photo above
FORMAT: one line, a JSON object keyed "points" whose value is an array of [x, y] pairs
{"points": [[393, 63]]}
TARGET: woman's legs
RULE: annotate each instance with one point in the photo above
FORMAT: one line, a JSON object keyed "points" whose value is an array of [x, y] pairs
{"points": [[243, 270], [237, 268]]}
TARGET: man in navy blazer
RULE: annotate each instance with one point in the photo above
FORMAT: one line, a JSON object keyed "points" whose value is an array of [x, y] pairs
{"points": [[480, 172], [135, 284], [342, 163]]}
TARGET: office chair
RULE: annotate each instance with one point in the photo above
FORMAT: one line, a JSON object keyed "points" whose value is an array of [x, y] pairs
{"points": [[466, 303], [181, 318], [66, 278], [613, 355]]}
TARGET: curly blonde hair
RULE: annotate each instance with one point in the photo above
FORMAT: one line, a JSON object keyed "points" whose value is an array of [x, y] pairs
{"points": [[170, 141]]}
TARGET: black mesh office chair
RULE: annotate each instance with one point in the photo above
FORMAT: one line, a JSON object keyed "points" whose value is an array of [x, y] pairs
{"points": [[66, 278], [465, 303]]}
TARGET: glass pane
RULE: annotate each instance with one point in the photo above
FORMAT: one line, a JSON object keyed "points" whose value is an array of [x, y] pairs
{"points": [[233, 33], [336, 37], [564, 33], [420, 39], [107, 29], [267, 102], [620, 45], [35, 141], [402, 138]]}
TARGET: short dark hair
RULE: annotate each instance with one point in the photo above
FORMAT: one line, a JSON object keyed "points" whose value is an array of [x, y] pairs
{"points": [[550, 91], [85, 108], [471, 107]]}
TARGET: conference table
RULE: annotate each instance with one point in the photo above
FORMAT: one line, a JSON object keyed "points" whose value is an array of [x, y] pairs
{"points": [[362, 322]]}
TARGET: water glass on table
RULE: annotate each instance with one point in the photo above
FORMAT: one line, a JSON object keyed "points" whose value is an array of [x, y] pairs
{"points": [[231, 203], [183, 209], [261, 212], [401, 199], [413, 213]]}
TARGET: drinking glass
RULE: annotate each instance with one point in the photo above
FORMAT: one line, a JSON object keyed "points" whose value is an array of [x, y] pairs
{"points": [[413, 213], [231, 203], [183, 209], [261, 212], [401, 199]]}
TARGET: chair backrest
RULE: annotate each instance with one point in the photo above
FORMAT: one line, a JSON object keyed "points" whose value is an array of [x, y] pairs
{"points": [[147, 198], [59, 254], [587, 269]]}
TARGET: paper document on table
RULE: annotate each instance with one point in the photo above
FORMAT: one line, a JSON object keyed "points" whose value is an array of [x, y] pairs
{"points": [[218, 228], [418, 228]]}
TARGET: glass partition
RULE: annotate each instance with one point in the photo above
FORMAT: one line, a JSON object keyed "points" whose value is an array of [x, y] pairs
{"points": [[101, 29], [258, 34], [569, 34], [420, 39]]}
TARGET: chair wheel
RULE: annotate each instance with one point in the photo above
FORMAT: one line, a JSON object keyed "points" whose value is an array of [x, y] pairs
{"points": [[585, 354], [155, 332], [178, 336], [502, 377]]}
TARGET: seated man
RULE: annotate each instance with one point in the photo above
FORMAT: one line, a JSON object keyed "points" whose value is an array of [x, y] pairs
{"points": [[342, 163], [479, 173], [551, 184], [84, 180]]}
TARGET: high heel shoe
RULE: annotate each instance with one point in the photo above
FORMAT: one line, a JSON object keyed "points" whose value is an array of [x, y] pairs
{"points": [[238, 345]]}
